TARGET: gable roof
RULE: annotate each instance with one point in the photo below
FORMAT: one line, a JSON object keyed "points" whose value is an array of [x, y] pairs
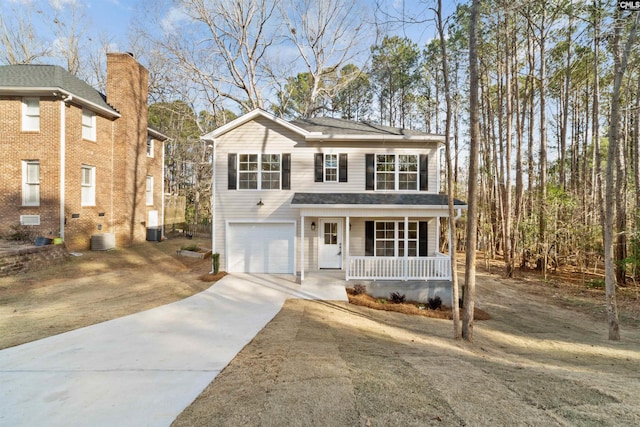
{"points": [[328, 128], [31, 79]]}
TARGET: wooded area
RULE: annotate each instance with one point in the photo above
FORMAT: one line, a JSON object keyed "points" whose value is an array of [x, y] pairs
{"points": [[558, 103]]}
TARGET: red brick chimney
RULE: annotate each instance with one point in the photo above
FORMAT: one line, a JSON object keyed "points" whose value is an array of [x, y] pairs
{"points": [[127, 92]]}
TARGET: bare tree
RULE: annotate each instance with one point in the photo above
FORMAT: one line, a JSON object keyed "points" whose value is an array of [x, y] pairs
{"points": [[620, 66], [472, 212], [327, 34], [19, 41]]}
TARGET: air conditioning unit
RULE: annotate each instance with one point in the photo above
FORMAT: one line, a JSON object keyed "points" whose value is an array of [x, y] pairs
{"points": [[103, 242]]}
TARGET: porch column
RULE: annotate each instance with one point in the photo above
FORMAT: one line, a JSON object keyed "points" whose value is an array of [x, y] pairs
{"points": [[406, 248], [347, 227], [437, 234], [301, 248]]}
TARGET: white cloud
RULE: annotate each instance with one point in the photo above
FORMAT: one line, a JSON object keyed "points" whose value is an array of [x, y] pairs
{"points": [[59, 4], [173, 18]]}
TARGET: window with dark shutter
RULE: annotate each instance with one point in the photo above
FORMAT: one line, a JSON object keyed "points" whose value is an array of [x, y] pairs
{"points": [[343, 167], [424, 172], [286, 171], [369, 238], [370, 171], [232, 172], [319, 167], [423, 248]]}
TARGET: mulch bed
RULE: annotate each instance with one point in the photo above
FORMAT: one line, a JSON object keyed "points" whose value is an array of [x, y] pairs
{"points": [[410, 307]]}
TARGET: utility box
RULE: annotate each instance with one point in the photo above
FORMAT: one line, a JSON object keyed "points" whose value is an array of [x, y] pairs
{"points": [[154, 234]]}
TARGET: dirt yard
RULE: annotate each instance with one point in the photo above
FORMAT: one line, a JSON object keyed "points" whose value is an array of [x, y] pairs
{"points": [[543, 358], [96, 287]]}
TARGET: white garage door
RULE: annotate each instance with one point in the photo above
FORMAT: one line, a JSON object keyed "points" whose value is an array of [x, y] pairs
{"points": [[261, 247]]}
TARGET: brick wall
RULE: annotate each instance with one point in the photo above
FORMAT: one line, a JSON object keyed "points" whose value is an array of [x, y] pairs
{"points": [[16, 146], [31, 258], [127, 91]]}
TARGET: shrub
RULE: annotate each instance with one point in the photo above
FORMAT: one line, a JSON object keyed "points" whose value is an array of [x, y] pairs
{"points": [[382, 301], [595, 284], [434, 303], [359, 289], [397, 297], [21, 233]]}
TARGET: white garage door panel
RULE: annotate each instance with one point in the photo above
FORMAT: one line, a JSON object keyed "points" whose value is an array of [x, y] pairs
{"points": [[261, 247]]}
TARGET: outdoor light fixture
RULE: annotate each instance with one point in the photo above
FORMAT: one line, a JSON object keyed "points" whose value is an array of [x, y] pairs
{"points": [[313, 225], [260, 203]]}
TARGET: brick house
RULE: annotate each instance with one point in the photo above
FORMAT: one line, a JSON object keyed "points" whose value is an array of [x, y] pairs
{"points": [[76, 162]]}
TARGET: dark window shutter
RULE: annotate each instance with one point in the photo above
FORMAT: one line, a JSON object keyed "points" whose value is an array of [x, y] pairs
{"points": [[286, 171], [369, 238], [233, 172], [370, 164], [423, 249], [343, 167], [424, 172], [319, 167]]}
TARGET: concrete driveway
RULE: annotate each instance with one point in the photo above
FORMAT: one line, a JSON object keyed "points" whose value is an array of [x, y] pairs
{"points": [[144, 369]]}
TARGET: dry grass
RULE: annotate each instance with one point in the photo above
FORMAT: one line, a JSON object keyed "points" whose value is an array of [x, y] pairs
{"points": [[211, 277], [409, 307]]}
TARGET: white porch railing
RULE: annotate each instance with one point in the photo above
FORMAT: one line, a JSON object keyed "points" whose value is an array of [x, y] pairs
{"points": [[390, 268]]}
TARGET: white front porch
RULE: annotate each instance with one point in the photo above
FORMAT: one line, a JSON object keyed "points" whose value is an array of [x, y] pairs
{"points": [[355, 262], [398, 268]]}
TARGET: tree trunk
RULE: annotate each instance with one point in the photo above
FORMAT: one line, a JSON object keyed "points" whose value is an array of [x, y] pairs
{"points": [[450, 182], [472, 213]]}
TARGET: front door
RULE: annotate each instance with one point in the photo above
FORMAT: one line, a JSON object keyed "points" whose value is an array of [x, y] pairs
{"points": [[330, 244]]}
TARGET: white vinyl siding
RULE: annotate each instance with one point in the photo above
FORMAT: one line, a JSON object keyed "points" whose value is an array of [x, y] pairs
{"points": [[88, 125], [149, 191], [88, 183], [262, 135], [31, 114], [31, 183]]}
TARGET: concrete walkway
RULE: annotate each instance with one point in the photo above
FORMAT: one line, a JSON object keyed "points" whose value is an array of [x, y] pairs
{"points": [[144, 369]]}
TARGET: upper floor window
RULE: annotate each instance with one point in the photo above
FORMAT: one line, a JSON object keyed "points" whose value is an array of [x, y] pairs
{"points": [[88, 125], [396, 172], [31, 114], [149, 191], [149, 146], [31, 183], [259, 171], [329, 167], [88, 179]]}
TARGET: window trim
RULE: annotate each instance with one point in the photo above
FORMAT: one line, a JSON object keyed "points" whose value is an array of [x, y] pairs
{"points": [[86, 113], [150, 147], [26, 184], [336, 168], [25, 107], [396, 238], [396, 171], [149, 190], [259, 171], [91, 185]]}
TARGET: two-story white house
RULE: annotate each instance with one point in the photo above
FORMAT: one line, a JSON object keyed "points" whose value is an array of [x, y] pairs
{"points": [[328, 194]]}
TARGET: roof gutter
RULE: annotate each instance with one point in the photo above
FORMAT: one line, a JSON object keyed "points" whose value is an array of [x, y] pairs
{"points": [[65, 95], [368, 138]]}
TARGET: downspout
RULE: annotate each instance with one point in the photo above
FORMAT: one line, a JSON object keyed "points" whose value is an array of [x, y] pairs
{"points": [[162, 193], [213, 204], [63, 154]]}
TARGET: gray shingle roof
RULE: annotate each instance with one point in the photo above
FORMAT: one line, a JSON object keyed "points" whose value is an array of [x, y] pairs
{"points": [[373, 199], [49, 76], [332, 126]]}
